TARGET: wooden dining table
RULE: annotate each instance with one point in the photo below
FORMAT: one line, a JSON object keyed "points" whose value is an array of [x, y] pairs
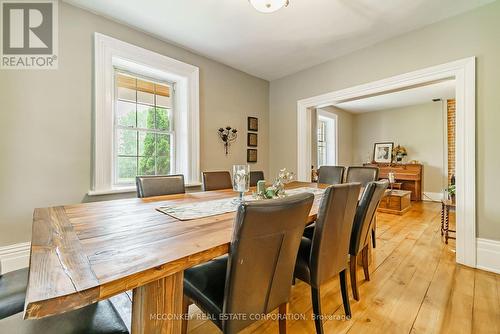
{"points": [[84, 253]]}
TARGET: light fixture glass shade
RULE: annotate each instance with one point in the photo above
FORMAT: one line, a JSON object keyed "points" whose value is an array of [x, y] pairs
{"points": [[268, 6]]}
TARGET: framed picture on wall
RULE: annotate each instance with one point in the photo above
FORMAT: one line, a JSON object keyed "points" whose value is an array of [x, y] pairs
{"points": [[382, 152], [252, 139], [253, 124], [251, 155]]}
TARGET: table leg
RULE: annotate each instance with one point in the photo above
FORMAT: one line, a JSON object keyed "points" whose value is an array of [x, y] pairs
{"points": [[157, 306]]}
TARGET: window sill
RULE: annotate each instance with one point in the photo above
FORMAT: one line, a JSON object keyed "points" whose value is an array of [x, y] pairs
{"points": [[127, 189]]}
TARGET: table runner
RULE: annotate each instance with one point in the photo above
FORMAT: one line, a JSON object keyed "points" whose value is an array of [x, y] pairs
{"points": [[188, 211]]}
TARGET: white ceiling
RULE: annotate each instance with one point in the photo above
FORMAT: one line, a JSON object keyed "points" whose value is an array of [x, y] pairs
{"points": [[409, 97], [270, 46]]}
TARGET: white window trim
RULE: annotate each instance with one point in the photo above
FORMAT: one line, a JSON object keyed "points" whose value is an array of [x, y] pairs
{"points": [[332, 119], [111, 53]]}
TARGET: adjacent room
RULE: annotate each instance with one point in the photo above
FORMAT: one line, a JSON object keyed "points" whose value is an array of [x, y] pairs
{"points": [[249, 166]]}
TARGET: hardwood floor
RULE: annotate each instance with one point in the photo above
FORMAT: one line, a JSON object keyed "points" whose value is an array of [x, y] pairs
{"points": [[415, 287]]}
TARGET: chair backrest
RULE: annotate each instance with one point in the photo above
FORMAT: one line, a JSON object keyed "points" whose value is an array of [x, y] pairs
{"points": [[331, 174], [262, 256], [332, 233], [216, 180], [256, 176], [362, 175], [363, 220], [148, 186]]}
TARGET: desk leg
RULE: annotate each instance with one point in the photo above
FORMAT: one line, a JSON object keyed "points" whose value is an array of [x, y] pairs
{"points": [[157, 306]]}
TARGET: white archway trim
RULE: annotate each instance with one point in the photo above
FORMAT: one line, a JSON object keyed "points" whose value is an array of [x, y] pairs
{"points": [[464, 72]]}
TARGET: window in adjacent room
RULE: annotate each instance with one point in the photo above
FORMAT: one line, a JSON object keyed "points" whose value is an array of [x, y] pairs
{"points": [[322, 143], [327, 139]]}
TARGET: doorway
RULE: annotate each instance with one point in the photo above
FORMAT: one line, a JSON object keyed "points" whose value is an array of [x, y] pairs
{"points": [[463, 74]]}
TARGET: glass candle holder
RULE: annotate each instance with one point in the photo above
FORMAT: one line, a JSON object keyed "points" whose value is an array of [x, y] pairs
{"points": [[241, 180], [392, 177]]}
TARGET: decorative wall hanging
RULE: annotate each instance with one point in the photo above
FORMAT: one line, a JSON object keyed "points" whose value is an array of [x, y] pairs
{"points": [[227, 135], [382, 152], [251, 155], [253, 124], [252, 139]]}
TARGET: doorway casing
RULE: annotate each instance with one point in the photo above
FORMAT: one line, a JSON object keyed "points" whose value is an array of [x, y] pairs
{"points": [[464, 73]]}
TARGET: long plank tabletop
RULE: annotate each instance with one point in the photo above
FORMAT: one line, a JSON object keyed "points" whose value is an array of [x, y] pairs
{"points": [[88, 252]]}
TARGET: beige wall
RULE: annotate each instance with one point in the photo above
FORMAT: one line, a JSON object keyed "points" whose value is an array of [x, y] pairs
{"points": [[46, 120], [419, 128], [475, 33]]}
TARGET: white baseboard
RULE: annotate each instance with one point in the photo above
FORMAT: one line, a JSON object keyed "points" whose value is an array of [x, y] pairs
{"points": [[14, 257], [434, 197], [488, 255]]}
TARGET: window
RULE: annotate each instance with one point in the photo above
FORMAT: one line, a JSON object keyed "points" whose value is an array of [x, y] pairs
{"points": [[322, 143], [146, 116], [326, 138], [143, 133]]}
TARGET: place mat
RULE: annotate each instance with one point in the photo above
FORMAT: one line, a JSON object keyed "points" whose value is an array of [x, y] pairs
{"points": [[197, 210]]}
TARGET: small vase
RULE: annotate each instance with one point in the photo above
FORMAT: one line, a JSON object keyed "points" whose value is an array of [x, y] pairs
{"points": [[241, 180]]}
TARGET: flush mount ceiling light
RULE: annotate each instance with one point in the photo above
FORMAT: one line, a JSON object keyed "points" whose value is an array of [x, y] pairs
{"points": [[268, 6]]}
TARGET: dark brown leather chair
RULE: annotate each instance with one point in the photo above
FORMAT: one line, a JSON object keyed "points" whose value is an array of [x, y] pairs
{"points": [[148, 186], [364, 175], [100, 317], [13, 292], [256, 276], [331, 174], [256, 176], [361, 174], [216, 180], [367, 207], [325, 255]]}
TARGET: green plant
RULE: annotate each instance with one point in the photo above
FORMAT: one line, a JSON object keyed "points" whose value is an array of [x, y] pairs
{"points": [[451, 190]]}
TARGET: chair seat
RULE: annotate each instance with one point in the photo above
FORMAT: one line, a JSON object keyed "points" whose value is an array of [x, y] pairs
{"points": [[99, 318], [13, 292], [302, 269], [205, 283]]}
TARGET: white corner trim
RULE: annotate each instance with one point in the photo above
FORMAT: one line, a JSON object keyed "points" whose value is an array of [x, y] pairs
{"points": [[14, 257], [488, 255], [464, 72], [433, 197]]}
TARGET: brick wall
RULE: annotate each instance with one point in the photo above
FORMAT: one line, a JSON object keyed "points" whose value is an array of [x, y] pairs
{"points": [[451, 138]]}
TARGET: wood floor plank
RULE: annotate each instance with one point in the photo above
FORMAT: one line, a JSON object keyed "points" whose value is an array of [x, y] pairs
{"points": [[430, 318], [458, 314], [486, 314]]}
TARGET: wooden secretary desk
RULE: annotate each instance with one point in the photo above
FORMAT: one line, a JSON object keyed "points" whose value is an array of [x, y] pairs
{"points": [[411, 176]]}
